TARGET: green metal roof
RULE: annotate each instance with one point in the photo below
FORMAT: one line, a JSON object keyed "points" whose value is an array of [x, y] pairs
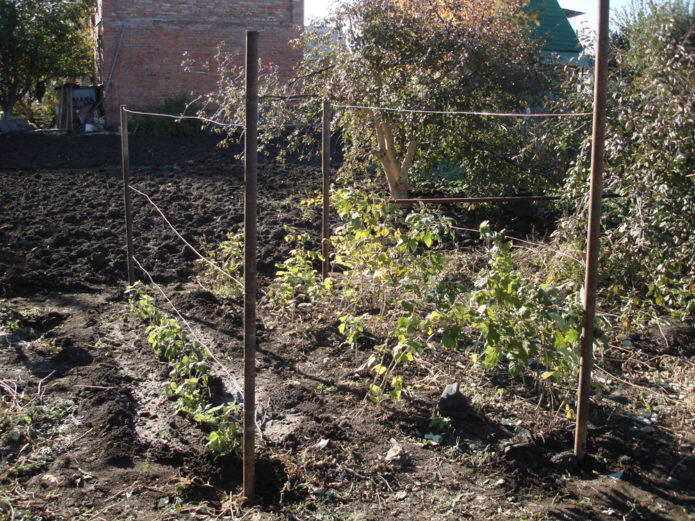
{"points": [[554, 25]]}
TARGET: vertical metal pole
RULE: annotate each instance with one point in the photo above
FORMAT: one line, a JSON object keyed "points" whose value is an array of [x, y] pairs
{"points": [[250, 212], [125, 161], [590, 281], [326, 170]]}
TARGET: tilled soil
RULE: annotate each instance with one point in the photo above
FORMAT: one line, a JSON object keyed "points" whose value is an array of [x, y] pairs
{"points": [[87, 434]]}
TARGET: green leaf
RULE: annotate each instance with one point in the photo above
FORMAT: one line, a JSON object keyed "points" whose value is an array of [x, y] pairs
{"points": [[572, 336], [449, 340]]}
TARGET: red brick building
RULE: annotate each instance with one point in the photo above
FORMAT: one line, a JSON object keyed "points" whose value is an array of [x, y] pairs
{"points": [[155, 34]]}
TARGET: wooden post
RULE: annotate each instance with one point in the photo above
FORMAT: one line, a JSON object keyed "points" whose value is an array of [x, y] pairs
{"points": [[326, 170], [250, 212], [125, 164], [66, 110], [593, 235]]}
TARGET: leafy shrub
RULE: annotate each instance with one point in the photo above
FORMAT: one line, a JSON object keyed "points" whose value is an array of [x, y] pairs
{"points": [[227, 259], [523, 322], [647, 247], [296, 282], [395, 282]]}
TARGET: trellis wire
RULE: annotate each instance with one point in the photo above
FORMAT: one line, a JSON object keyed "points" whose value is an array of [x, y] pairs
{"points": [[181, 238], [229, 375], [464, 112], [178, 117]]}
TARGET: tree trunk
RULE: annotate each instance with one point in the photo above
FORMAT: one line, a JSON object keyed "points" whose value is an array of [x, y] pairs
{"points": [[396, 172], [7, 111]]}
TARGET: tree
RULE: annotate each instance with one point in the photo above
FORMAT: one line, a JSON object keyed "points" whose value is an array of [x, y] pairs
{"points": [[40, 40], [448, 55]]}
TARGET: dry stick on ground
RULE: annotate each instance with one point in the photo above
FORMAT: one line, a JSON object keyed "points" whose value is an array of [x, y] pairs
{"points": [[39, 393], [680, 461], [668, 344], [114, 497], [12, 391], [73, 442]]}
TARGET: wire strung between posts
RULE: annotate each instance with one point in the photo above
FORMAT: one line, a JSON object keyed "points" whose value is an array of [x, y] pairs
{"points": [[174, 116], [467, 113], [196, 252], [237, 387]]}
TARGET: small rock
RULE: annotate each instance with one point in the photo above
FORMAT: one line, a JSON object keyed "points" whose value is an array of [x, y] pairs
{"points": [[453, 404], [522, 435], [322, 444], [396, 452], [400, 495], [435, 439], [50, 481]]}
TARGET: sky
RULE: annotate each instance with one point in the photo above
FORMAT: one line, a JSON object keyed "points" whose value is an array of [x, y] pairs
{"points": [[320, 8], [590, 7]]}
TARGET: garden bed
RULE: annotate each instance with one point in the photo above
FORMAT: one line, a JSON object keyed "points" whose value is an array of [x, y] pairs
{"points": [[87, 434]]}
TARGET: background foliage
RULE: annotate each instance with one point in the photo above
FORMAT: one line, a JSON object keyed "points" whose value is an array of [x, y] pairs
{"points": [[648, 246], [40, 41], [441, 56]]}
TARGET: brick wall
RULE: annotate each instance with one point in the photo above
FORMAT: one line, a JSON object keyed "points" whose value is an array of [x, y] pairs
{"points": [[158, 32]]}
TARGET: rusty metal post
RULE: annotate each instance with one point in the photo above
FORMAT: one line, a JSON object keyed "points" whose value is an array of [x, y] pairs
{"points": [[326, 170], [593, 235], [250, 212], [125, 163]]}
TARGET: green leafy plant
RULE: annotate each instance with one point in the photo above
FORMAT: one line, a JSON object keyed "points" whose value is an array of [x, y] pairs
{"points": [[522, 321], [296, 283], [352, 328], [189, 374], [227, 258]]}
